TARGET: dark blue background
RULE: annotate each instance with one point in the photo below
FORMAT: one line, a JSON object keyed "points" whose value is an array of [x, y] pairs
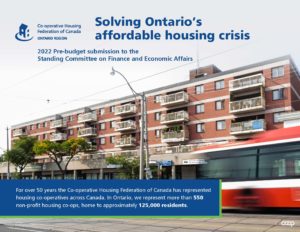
{"points": [[207, 207]]}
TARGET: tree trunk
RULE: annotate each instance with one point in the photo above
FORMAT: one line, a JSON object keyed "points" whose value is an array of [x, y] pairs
{"points": [[60, 168], [20, 173], [63, 174]]}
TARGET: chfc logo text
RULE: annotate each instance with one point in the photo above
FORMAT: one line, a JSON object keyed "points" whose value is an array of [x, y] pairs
{"points": [[290, 223], [23, 34]]}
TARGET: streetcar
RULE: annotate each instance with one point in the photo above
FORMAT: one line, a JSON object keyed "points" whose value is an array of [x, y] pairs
{"points": [[263, 172]]}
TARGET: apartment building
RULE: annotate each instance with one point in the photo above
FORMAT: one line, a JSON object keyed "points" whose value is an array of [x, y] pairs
{"points": [[213, 106]]}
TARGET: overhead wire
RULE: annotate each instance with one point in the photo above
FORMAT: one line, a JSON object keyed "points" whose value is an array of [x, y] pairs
{"points": [[139, 79]]}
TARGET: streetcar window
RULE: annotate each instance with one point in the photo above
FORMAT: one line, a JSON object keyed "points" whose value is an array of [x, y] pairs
{"points": [[278, 165], [233, 153], [297, 166], [280, 148], [231, 168]]}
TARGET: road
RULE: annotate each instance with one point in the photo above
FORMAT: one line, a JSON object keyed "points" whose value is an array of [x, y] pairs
{"points": [[230, 222]]}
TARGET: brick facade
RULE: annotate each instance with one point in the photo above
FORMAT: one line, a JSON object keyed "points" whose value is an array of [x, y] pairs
{"points": [[208, 78]]}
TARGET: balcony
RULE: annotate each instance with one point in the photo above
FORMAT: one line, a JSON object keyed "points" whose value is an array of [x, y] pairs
{"points": [[173, 149], [87, 117], [127, 153], [125, 109], [174, 136], [246, 105], [180, 116], [92, 146], [87, 132], [174, 99], [125, 125], [247, 82], [19, 132], [248, 127], [58, 137], [59, 123], [125, 142], [33, 167]]}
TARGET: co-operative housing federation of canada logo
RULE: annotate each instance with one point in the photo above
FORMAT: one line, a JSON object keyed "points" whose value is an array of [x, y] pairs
{"points": [[24, 33]]}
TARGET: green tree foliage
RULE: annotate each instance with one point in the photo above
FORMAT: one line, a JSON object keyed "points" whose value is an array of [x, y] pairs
{"points": [[129, 166], [57, 151], [21, 153]]}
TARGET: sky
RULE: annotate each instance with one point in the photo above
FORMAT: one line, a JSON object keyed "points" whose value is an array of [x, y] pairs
{"points": [[26, 84]]}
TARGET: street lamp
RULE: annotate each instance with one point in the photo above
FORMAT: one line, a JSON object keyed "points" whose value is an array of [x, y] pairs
{"points": [[7, 144], [143, 131]]}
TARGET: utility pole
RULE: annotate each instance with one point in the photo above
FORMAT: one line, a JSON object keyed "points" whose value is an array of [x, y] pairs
{"points": [[142, 137], [143, 129], [148, 171], [7, 149]]}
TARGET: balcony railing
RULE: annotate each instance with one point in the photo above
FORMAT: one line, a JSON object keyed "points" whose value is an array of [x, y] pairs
{"points": [[58, 137], [33, 167], [247, 127], [122, 153], [251, 104], [174, 99], [92, 146], [174, 136], [86, 132], [247, 82], [125, 125], [173, 149], [58, 123], [125, 142], [125, 109], [19, 132], [180, 116], [87, 117]]}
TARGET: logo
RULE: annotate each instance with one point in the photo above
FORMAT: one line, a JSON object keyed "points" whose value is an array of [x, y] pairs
{"points": [[23, 34], [290, 223]]}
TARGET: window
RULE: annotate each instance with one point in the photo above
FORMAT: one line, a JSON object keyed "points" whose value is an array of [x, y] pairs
{"points": [[71, 132], [31, 127], [71, 118], [112, 139], [112, 124], [157, 133], [220, 105], [101, 111], [200, 108], [279, 165], [219, 84], [102, 140], [157, 116], [275, 117], [221, 125], [157, 98], [278, 94], [44, 136], [199, 89], [45, 124], [277, 72], [38, 125], [112, 109], [102, 126], [200, 127], [231, 168]]}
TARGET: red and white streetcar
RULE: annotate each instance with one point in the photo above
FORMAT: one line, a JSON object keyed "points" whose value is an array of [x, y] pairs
{"points": [[262, 172]]}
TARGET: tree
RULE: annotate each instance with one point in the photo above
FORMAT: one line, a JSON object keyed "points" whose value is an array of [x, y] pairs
{"points": [[57, 151], [21, 153], [130, 165]]}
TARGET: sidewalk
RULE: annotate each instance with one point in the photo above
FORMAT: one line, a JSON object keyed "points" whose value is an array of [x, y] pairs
{"points": [[229, 222]]}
